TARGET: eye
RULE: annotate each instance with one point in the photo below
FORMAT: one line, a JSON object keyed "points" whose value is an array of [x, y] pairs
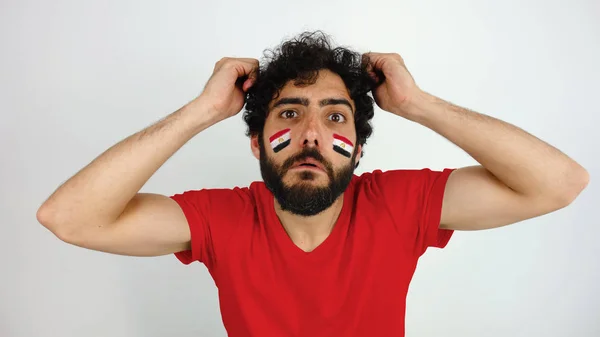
{"points": [[288, 114], [337, 118]]}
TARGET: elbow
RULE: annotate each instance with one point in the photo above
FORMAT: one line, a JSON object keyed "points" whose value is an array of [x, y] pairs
{"points": [[577, 181], [44, 216], [48, 217]]}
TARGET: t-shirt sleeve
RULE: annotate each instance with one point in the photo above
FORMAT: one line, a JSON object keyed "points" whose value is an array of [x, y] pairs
{"points": [[414, 200], [209, 216]]}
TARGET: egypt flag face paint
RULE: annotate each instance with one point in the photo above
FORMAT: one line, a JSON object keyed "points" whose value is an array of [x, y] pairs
{"points": [[280, 140], [342, 145]]}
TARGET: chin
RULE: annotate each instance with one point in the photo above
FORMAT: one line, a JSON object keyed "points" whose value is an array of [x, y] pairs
{"points": [[307, 177]]}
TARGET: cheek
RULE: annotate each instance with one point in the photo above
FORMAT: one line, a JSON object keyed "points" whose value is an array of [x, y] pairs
{"points": [[342, 146], [279, 140]]}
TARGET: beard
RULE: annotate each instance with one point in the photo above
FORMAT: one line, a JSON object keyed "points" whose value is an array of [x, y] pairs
{"points": [[304, 198]]}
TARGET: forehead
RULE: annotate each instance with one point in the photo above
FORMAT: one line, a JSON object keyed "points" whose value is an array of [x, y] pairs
{"points": [[327, 85]]}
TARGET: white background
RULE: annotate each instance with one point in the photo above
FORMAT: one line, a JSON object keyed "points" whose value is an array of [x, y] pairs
{"points": [[78, 76]]}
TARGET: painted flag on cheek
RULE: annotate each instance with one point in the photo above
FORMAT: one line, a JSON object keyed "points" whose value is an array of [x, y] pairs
{"points": [[280, 140], [342, 145]]}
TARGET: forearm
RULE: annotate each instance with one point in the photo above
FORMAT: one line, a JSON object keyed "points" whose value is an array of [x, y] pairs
{"points": [[99, 193], [521, 161]]}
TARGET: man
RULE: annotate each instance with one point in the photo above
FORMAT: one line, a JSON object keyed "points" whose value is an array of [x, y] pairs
{"points": [[314, 250]]}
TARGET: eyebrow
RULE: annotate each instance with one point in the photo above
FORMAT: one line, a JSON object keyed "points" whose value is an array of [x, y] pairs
{"points": [[305, 102]]}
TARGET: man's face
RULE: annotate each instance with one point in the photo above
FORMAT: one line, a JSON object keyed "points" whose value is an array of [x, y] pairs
{"points": [[307, 173]]}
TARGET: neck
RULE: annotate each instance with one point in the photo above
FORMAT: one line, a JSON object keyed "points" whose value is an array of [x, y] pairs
{"points": [[309, 232]]}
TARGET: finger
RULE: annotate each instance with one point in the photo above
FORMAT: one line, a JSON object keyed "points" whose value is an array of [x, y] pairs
{"points": [[251, 77], [246, 69], [373, 56], [376, 60], [367, 61], [255, 66], [248, 60], [373, 64], [248, 84]]}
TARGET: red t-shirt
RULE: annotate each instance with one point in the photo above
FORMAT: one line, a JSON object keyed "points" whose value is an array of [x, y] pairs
{"points": [[354, 284]]}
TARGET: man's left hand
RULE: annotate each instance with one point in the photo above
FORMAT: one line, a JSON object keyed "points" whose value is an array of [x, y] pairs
{"points": [[398, 90]]}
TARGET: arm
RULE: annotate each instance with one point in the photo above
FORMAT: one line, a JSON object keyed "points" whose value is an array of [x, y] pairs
{"points": [[100, 208], [520, 176]]}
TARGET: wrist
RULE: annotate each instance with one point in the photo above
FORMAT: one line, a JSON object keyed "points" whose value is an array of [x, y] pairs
{"points": [[420, 106], [199, 114]]}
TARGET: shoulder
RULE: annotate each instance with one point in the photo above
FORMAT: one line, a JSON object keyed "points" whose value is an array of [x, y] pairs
{"points": [[401, 181], [215, 195], [220, 200], [412, 199]]}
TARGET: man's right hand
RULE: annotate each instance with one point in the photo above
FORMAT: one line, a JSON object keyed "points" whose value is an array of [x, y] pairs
{"points": [[226, 89]]}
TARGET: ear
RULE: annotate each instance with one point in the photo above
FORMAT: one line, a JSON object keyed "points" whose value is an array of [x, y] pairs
{"points": [[255, 146], [358, 155]]}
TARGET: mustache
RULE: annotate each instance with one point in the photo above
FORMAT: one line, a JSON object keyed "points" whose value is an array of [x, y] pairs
{"points": [[305, 154]]}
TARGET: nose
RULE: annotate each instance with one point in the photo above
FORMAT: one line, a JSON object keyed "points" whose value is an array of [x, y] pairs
{"points": [[312, 132]]}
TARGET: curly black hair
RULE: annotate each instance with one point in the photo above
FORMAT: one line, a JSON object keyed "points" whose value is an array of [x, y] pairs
{"points": [[300, 59]]}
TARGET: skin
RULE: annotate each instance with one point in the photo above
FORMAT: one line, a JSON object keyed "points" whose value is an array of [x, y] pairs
{"points": [[311, 126], [519, 176], [101, 208]]}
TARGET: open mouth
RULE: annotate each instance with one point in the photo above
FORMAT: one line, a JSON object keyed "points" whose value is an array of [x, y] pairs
{"points": [[308, 164]]}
